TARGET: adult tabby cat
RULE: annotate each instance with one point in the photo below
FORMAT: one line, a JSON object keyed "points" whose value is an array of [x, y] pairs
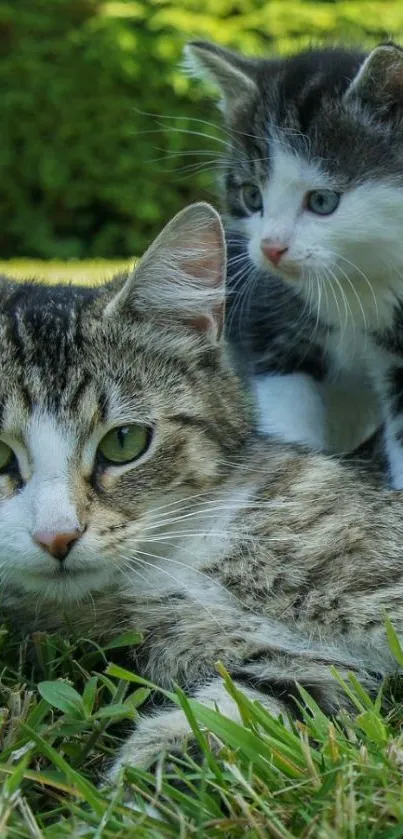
{"points": [[134, 491], [314, 205]]}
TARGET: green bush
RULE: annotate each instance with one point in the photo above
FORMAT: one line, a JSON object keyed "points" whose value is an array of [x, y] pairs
{"points": [[84, 169]]}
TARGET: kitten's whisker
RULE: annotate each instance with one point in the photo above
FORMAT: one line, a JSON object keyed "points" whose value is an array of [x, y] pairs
{"points": [[186, 118], [171, 537], [139, 557], [368, 282], [208, 515], [247, 296], [357, 296], [131, 568], [202, 494], [190, 132], [319, 297], [185, 172], [304, 315], [246, 281], [239, 258], [347, 308]]}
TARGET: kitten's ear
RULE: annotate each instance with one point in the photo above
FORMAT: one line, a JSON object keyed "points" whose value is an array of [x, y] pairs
{"points": [[181, 277], [379, 81], [233, 74]]}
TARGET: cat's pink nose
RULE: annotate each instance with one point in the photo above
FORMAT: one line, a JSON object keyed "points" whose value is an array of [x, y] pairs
{"points": [[57, 544], [273, 252]]}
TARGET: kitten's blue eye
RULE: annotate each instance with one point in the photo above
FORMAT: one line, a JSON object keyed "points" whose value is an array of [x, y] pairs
{"points": [[323, 202], [252, 198]]}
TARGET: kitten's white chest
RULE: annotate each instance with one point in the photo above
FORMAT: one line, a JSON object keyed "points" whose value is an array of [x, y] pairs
{"points": [[175, 561], [351, 403]]}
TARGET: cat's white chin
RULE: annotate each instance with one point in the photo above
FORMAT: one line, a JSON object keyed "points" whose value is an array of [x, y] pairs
{"points": [[63, 587]]}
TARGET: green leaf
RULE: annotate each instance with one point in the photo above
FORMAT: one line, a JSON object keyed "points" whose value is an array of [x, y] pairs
{"points": [[128, 639], [394, 642], [347, 690], [110, 686], [255, 748], [199, 735], [38, 714], [89, 695], [361, 692], [127, 676], [85, 789], [13, 782], [137, 698], [373, 726], [63, 696], [319, 722], [114, 711]]}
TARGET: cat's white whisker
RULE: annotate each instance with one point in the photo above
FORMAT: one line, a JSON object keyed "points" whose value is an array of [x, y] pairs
{"points": [[139, 557], [364, 276], [348, 315], [356, 295]]}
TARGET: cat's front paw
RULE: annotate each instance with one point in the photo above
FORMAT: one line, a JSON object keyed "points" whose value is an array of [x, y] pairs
{"points": [[166, 732]]}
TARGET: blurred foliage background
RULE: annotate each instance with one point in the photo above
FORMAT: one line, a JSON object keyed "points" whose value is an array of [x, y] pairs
{"points": [[100, 139]]}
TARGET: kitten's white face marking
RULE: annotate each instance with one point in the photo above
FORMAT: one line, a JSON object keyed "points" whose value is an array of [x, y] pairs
{"points": [[355, 253], [45, 503], [48, 495]]}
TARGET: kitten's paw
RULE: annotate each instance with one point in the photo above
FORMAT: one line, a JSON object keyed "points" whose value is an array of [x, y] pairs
{"points": [[170, 732], [167, 732]]}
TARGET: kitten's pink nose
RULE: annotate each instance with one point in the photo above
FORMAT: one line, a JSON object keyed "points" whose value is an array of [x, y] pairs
{"points": [[57, 544], [273, 252]]}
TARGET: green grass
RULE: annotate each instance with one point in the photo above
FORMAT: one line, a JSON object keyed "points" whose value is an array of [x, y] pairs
{"points": [[65, 707], [91, 271]]}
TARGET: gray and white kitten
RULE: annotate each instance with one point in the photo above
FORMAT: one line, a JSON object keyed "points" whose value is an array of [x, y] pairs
{"points": [[314, 210], [135, 492]]}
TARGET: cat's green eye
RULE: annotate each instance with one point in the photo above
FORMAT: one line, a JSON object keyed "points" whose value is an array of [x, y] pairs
{"points": [[323, 202], [128, 442], [252, 197], [6, 456]]}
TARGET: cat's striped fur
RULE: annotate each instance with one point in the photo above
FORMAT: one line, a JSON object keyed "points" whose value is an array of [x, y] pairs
{"points": [[216, 543]]}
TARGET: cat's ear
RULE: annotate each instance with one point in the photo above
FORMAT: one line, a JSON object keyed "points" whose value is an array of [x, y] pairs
{"points": [[181, 277], [379, 81], [233, 74]]}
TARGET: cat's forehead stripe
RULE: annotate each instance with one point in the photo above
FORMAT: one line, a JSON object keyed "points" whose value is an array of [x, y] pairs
{"points": [[45, 333]]}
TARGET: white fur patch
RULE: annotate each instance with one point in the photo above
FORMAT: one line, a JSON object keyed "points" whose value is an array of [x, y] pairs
{"points": [[46, 503], [291, 407], [172, 557], [334, 416], [48, 494]]}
